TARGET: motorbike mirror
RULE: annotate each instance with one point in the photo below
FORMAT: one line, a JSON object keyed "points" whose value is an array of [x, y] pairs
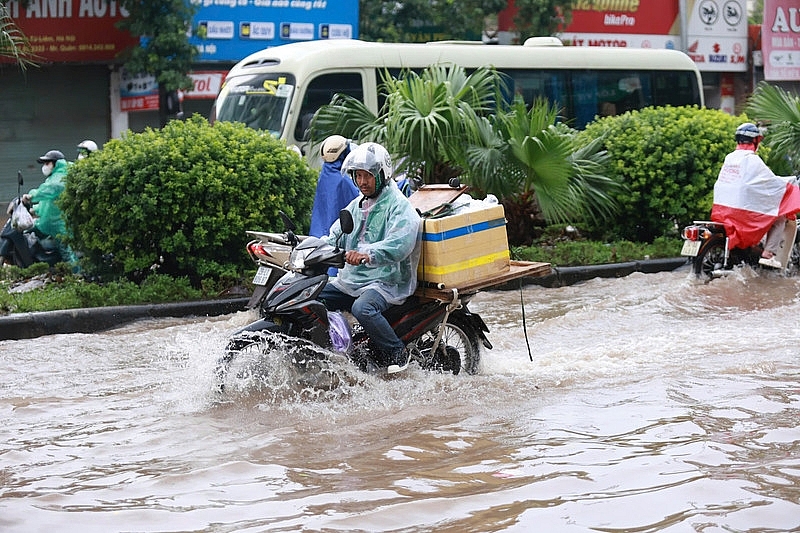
{"points": [[346, 221], [287, 222], [19, 178], [290, 228]]}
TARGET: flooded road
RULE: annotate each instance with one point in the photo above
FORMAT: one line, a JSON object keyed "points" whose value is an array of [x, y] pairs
{"points": [[653, 403]]}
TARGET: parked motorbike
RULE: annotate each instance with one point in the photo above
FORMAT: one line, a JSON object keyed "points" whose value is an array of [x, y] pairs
{"points": [[706, 244], [440, 335], [24, 247]]}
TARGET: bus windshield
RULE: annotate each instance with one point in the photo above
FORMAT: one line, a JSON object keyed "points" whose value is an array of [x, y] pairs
{"points": [[260, 101]]}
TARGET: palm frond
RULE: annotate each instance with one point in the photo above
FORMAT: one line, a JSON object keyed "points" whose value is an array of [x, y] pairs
{"points": [[346, 116], [781, 111], [13, 43]]}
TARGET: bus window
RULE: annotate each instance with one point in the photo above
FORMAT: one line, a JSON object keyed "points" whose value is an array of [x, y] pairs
{"points": [[548, 84], [608, 92], [261, 101], [320, 92], [675, 88]]}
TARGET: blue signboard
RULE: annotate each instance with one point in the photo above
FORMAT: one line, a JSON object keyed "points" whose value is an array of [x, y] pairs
{"points": [[229, 30]]}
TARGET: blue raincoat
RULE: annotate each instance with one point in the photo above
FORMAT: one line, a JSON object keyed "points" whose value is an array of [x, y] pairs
{"points": [[388, 229], [334, 192]]}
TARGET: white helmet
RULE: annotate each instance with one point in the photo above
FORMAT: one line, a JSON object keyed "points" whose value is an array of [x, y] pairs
{"points": [[86, 147], [373, 158], [332, 148]]}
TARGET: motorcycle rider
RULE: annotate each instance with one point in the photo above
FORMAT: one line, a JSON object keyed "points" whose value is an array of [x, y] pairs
{"points": [[85, 148], [48, 221], [750, 200], [382, 252]]}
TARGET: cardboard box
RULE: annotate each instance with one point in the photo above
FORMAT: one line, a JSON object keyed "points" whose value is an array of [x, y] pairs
{"points": [[464, 248]]}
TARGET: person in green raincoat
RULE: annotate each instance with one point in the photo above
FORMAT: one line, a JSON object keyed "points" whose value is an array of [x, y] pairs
{"points": [[48, 221], [382, 252]]}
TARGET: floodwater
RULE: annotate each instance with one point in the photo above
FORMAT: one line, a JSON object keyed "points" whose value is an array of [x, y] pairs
{"points": [[652, 403]]}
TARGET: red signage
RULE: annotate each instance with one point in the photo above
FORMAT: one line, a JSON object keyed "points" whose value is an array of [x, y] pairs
{"points": [[70, 31], [623, 17], [716, 32], [207, 84], [780, 39]]}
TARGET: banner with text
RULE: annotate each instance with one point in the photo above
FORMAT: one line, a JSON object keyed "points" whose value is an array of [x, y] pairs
{"points": [[780, 39], [716, 32], [72, 31], [229, 30]]}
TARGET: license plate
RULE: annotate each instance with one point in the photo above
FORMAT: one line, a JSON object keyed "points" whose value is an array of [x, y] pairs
{"points": [[691, 248], [262, 275]]}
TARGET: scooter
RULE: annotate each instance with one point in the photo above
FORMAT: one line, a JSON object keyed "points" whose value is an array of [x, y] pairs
{"points": [[706, 245], [441, 334], [23, 248]]}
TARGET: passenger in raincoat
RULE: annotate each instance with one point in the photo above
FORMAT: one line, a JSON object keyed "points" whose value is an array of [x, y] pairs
{"points": [[334, 190], [382, 253]]}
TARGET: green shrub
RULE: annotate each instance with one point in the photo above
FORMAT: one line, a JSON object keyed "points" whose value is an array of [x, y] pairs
{"points": [[668, 158], [71, 292], [179, 200], [581, 253]]}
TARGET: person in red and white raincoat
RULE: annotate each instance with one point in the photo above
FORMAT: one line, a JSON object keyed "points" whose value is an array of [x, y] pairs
{"points": [[750, 200]]}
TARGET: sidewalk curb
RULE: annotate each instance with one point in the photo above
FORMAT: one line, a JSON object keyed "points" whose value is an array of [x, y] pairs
{"points": [[95, 319], [563, 276]]}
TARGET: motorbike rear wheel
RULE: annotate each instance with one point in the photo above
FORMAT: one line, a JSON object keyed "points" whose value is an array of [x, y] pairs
{"points": [[793, 268], [710, 258], [459, 348]]}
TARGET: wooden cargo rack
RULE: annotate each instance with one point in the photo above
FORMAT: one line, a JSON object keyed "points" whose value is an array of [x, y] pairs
{"points": [[518, 269]]}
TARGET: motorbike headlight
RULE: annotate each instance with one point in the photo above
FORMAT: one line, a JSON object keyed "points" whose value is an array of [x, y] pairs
{"points": [[298, 259]]}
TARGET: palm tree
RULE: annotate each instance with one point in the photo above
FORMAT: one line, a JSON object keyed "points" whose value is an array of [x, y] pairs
{"points": [[445, 123], [780, 110], [428, 117], [535, 164], [13, 43]]}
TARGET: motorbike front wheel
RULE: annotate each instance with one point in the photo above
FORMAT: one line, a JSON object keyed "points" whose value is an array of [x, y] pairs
{"points": [[271, 360], [458, 351], [240, 363], [710, 258]]}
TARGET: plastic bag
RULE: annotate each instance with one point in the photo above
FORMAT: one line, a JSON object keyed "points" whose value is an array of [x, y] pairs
{"points": [[21, 219]]}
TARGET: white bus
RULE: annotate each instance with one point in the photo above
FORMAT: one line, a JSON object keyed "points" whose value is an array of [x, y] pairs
{"points": [[279, 89]]}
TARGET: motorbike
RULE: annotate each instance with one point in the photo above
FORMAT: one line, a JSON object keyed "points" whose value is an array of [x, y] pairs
{"points": [[25, 247], [706, 246], [441, 334]]}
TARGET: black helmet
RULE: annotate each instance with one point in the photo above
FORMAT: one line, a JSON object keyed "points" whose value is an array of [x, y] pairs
{"points": [[748, 133], [51, 156]]}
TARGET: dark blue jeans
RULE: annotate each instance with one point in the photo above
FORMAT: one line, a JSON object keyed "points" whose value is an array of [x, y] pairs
{"points": [[367, 309]]}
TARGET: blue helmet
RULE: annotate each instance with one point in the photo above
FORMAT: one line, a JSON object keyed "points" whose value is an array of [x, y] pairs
{"points": [[748, 133]]}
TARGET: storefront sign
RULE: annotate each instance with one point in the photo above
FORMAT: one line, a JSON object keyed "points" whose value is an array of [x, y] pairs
{"points": [[716, 33], [137, 92], [206, 84], [780, 39], [228, 30], [72, 31], [140, 93]]}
